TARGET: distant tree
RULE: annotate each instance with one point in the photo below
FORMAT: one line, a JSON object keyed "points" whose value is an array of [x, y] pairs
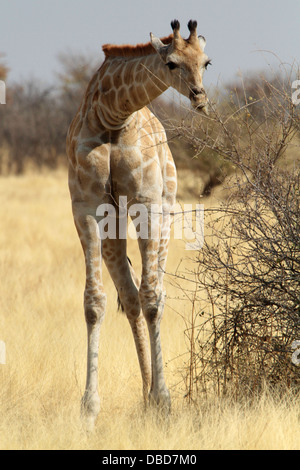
{"points": [[76, 72], [32, 127], [34, 124]]}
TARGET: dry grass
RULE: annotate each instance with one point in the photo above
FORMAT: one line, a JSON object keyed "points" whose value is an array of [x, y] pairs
{"points": [[42, 324]]}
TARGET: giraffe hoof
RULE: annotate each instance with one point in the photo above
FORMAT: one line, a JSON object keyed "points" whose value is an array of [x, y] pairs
{"points": [[161, 401], [90, 407]]}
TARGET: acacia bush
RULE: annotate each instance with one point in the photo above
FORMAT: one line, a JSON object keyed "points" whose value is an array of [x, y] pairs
{"points": [[201, 169], [245, 285]]}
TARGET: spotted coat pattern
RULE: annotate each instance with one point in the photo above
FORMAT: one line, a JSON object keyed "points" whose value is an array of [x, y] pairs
{"points": [[116, 147]]}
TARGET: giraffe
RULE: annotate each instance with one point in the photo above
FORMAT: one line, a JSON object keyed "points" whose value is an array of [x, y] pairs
{"points": [[116, 147]]}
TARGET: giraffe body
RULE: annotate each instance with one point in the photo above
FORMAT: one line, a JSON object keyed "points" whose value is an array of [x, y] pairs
{"points": [[118, 149]]}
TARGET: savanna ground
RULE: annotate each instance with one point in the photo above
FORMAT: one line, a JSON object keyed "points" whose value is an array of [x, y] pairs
{"points": [[42, 324]]}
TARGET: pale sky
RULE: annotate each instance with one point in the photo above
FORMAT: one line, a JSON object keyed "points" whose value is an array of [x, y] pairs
{"points": [[34, 32]]}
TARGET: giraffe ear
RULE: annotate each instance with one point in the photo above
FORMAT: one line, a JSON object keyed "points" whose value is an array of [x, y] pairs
{"points": [[158, 45], [202, 42]]}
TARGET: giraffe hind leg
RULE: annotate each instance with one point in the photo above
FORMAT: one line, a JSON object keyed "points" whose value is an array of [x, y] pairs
{"points": [[152, 297], [94, 306], [127, 284]]}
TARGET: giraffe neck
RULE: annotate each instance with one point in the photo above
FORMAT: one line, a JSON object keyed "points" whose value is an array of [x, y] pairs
{"points": [[127, 85]]}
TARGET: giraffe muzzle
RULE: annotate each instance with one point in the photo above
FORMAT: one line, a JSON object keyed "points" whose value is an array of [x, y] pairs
{"points": [[199, 99]]}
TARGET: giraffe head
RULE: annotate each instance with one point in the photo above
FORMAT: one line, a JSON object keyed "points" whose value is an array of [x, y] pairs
{"points": [[185, 62]]}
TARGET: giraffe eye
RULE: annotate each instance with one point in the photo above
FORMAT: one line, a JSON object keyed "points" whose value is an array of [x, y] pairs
{"points": [[171, 65]]}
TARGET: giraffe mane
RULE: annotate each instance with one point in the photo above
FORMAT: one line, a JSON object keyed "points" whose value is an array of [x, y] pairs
{"points": [[111, 50]]}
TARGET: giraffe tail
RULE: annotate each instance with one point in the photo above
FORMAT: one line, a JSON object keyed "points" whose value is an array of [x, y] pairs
{"points": [[120, 306]]}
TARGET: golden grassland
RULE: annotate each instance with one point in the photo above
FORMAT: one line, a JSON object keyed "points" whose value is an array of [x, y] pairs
{"points": [[42, 324]]}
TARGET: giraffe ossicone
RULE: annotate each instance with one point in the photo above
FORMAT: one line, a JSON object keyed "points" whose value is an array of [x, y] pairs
{"points": [[118, 149]]}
